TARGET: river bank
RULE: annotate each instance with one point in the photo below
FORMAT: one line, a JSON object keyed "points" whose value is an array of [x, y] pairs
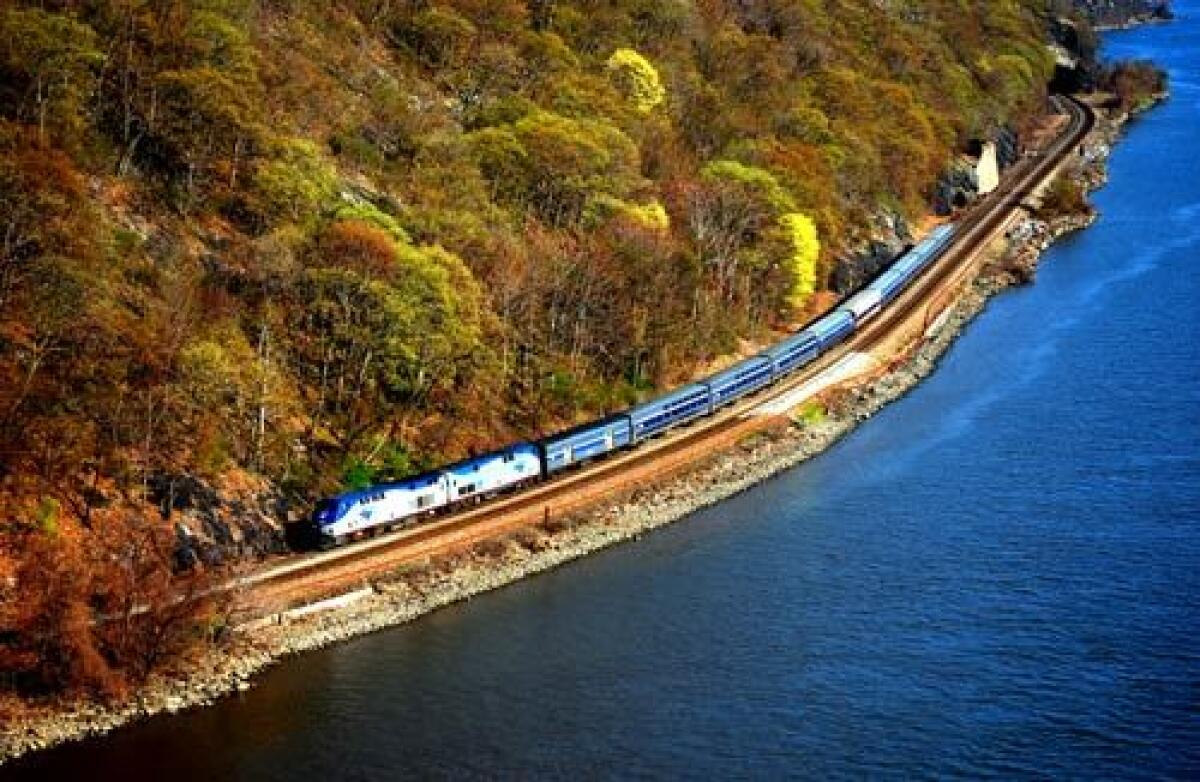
{"points": [[414, 592]]}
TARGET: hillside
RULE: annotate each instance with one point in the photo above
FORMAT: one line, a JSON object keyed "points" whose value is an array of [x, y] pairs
{"points": [[319, 243], [255, 252]]}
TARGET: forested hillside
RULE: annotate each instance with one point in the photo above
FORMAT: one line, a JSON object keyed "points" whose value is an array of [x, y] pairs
{"points": [[254, 248], [323, 242]]}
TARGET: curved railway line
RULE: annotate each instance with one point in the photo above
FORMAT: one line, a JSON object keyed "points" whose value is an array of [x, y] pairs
{"points": [[283, 584]]}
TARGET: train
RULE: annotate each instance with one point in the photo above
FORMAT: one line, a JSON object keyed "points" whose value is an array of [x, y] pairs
{"points": [[359, 513]]}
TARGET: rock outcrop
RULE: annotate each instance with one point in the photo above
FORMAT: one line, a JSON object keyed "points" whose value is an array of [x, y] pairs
{"points": [[232, 519], [975, 173], [891, 237]]}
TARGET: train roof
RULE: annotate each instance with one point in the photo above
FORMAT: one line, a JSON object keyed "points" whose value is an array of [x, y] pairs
{"points": [[799, 338], [668, 397], [419, 481], [430, 477], [483, 458], [830, 321], [733, 369], [565, 434]]}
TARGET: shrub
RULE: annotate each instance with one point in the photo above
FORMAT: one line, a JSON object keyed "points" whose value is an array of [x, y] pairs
{"points": [[1134, 84], [1064, 197]]}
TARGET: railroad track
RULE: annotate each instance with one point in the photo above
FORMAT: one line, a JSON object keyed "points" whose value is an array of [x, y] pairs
{"points": [[280, 585]]}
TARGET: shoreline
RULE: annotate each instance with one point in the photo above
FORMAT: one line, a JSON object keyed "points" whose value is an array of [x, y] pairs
{"points": [[1132, 23], [413, 592]]}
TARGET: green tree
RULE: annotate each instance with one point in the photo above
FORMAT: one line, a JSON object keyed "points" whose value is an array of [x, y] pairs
{"points": [[295, 181], [371, 350], [553, 164], [48, 65]]}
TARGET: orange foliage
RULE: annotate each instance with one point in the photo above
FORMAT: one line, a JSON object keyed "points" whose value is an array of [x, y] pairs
{"points": [[96, 611], [358, 246]]}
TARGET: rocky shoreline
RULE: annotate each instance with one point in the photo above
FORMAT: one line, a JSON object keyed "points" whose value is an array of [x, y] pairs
{"points": [[1107, 15], [413, 592], [1137, 20]]}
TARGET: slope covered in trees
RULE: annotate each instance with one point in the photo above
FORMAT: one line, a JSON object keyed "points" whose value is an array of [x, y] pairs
{"points": [[318, 243]]}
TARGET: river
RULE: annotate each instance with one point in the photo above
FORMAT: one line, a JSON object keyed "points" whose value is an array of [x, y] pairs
{"points": [[997, 576]]}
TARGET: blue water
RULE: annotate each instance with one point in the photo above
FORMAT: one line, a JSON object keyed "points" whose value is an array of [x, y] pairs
{"points": [[998, 576]]}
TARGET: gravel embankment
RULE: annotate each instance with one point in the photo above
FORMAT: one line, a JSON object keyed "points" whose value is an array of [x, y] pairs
{"points": [[414, 592]]}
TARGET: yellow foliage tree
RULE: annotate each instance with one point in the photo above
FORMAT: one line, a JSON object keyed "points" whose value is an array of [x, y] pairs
{"points": [[650, 215], [638, 79], [801, 234]]}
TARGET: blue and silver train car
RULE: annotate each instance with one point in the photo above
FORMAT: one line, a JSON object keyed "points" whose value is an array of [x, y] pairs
{"points": [[833, 328], [379, 507], [678, 407], [585, 442], [744, 377], [794, 352], [909, 266], [491, 473], [863, 305]]}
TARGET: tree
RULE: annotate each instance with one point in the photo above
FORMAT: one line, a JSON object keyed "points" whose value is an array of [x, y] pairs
{"points": [[439, 36], [553, 164], [359, 246], [295, 181], [48, 643], [758, 182], [205, 114], [801, 261], [149, 613], [651, 216], [637, 79], [183, 96], [96, 616], [50, 250], [1133, 83], [730, 217], [47, 70], [541, 14], [370, 349]]}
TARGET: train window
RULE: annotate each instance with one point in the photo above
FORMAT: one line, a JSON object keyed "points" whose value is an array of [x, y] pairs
{"points": [[508, 457], [424, 501]]}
